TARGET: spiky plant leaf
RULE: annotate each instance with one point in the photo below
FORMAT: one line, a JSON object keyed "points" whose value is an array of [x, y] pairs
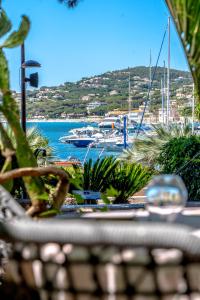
{"points": [[16, 38], [197, 111], [5, 24], [186, 17], [129, 179], [4, 73], [24, 154], [148, 149], [7, 152], [96, 176]]}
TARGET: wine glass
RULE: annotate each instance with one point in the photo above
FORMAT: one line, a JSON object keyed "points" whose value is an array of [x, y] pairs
{"points": [[166, 196]]}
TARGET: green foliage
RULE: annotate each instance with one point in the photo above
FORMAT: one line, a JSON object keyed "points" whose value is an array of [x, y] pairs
{"points": [[186, 18], [4, 73], [9, 108], [197, 111], [147, 150], [5, 24], [128, 179], [186, 112], [182, 156], [16, 38], [98, 88], [111, 178], [35, 139], [97, 176]]}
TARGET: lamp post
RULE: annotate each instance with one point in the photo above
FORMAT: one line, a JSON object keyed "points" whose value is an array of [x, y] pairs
{"points": [[33, 82]]}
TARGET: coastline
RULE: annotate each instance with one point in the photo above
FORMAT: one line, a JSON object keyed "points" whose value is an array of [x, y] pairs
{"points": [[88, 120]]}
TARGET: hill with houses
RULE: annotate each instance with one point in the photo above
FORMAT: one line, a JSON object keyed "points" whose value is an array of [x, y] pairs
{"points": [[100, 94]]}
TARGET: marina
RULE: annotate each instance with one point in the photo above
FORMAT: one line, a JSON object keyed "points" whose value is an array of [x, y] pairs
{"points": [[54, 130], [83, 140]]}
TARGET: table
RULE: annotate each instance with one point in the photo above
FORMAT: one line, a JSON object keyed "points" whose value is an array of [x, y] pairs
{"points": [[189, 216]]}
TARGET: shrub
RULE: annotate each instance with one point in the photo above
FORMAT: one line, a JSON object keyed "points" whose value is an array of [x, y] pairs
{"points": [[128, 179], [97, 176], [182, 156], [110, 177]]}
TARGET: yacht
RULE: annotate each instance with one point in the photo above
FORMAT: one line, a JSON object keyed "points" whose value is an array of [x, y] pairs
{"points": [[110, 123], [83, 142], [81, 137]]}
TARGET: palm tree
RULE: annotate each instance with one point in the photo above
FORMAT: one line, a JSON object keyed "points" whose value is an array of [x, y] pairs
{"points": [[128, 179], [148, 149], [186, 17], [96, 176], [35, 139]]}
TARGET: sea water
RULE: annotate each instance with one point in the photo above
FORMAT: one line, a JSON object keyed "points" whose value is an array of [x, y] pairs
{"points": [[54, 130]]}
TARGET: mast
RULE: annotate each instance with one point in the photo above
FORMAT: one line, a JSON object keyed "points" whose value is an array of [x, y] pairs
{"points": [[168, 74], [162, 94], [129, 95], [164, 91], [150, 76]]}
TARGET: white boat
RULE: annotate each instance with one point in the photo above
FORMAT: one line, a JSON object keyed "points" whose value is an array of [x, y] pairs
{"points": [[81, 136], [83, 142], [110, 123]]}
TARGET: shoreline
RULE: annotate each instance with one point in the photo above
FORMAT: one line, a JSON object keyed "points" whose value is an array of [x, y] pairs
{"points": [[88, 120]]}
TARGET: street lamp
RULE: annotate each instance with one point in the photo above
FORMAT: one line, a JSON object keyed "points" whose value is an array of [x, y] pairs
{"points": [[33, 81]]}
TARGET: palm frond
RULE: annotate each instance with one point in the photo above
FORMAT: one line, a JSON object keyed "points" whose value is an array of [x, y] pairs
{"points": [[148, 149], [96, 177], [35, 139], [129, 179], [186, 18], [70, 3]]}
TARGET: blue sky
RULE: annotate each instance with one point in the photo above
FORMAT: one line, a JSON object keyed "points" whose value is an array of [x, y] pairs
{"points": [[95, 37]]}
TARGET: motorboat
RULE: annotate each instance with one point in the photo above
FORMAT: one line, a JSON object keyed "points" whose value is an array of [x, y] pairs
{"points": [[88, 130], [81, 137], [144, 130], [110, 123], [83, 142]]}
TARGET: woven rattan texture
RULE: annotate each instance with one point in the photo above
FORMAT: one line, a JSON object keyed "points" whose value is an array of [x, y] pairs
{"points": [[66, 272]]}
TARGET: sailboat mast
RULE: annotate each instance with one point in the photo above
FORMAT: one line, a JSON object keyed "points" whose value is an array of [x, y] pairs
{"points": [[150, 76], [129, 94], [164, 90], [168, 75], [162, 95]]}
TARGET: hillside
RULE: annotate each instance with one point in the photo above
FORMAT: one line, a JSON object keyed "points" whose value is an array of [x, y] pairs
{"points": [[99, 94]]}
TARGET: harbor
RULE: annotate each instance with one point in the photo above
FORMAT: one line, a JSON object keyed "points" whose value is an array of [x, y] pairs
{"points": [[54, 130], [83, 140]]}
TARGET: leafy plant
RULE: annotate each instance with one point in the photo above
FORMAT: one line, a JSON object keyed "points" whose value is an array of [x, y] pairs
{"points": [[147, 150], [197, 111], [97, 176], [24, 155], [186, 17], [111, 177], [129, 179], [34, 137], [182, 156]]}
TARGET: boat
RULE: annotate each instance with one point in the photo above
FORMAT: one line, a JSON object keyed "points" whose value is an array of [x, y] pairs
{"points": [[81, 137], [69, 161], [110, 123], [83, 142]]}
